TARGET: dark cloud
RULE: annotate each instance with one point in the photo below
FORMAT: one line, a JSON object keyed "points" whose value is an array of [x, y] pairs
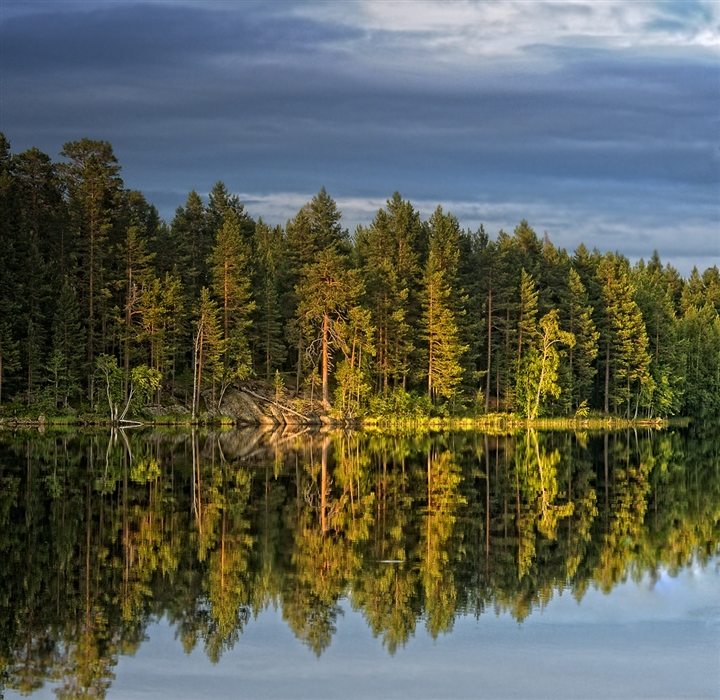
{"points": [[271, 102]]}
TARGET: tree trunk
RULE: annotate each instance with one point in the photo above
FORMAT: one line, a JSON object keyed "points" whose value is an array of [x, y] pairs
{"points": [[325, 362], [489, 351], [607, 377]]}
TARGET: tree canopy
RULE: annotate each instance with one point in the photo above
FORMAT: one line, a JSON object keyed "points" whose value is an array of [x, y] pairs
{"points": [[402, 312]]}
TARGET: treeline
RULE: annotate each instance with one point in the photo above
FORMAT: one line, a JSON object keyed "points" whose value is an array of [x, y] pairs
{"points": [[105, 306]]}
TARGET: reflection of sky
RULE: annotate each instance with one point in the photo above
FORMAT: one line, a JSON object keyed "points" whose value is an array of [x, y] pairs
{"points": [[596, 121], [641, 640]]}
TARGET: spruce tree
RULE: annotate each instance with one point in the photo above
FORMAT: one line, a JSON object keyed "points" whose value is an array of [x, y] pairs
{"points": [[231, 285], [316, 228], [654, 296], [91, 176], [439, 303], [267, 328], [65, 363], [327, 292], [627, 358], [581, 357], [389, 253], [192, 238]]}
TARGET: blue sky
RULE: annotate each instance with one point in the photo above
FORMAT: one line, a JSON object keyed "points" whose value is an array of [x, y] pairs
{"points": [[598, 122]]}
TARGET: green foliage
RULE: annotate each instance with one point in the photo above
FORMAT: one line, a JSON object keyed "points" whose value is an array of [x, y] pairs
{"points": [[440, 309], [401, 405], [87, 269], [538, 376], [627, 341], [582, 355], [231, 284]]}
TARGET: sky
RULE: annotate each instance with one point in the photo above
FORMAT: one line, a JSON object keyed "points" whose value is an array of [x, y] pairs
{"points": [[596, 121]]}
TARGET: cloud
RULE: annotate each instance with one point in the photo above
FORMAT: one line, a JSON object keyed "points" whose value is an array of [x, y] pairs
{"points": [[615, 223], [599, 118], [503, 28]]}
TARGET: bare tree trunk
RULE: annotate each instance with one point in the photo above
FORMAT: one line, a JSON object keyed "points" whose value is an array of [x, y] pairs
{"points": [[325, 362], [489, 351], [607, 377]]}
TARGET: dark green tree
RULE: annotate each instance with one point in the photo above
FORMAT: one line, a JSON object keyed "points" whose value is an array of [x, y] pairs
{"points": [[91, 176], [231, 285]]}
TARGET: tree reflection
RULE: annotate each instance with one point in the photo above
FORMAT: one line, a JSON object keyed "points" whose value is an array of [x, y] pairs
{"points": [[102, 533]]}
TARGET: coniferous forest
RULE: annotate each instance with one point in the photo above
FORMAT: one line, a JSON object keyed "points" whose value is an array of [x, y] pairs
{"points": [[105, 308]]}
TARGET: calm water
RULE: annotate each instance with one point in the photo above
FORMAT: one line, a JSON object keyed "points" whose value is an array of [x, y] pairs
{"points": [[245, 564]]}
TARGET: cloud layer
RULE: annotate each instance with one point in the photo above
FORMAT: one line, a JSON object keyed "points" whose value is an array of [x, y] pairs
{"points": [[595, 121]]}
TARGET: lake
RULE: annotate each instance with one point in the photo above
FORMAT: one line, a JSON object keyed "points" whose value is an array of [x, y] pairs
{"points": [[293, 563]]}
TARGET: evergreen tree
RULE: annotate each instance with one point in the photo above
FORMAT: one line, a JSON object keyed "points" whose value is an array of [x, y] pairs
{"points": [[9, 353], [231, 284], [327, 292], [582, 355], [655, 298], [137, 263], [439, 325], [472, 325], [40, 227], [315, 229], [269, 348], [208, 348], [11, 269], [627, 358], [193, 239], [389, 257], [699, 332], [161, 313], [527, 328], [65, 362], [92, 181], [220, 203]]}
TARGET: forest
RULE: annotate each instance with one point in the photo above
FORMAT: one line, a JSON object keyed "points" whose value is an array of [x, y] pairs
{"points": [[106, 309]]}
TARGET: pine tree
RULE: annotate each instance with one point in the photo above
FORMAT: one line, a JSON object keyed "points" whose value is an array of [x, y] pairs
{"points": [[65, 363], [581, 356], [231, 284], [269, 347], [208, 348], [316, 228], [327, 292], [193, 240], [93, 184], [389, 257], [627, 357], [439, 324]]}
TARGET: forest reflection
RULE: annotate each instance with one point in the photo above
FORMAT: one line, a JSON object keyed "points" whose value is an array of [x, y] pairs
{"points": [[103, 532]]}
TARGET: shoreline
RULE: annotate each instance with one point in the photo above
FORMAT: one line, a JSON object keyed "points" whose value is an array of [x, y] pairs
{"points": [[501, 422]]}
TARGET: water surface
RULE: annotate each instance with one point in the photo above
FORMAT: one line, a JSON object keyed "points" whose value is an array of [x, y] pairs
{"points": [[247, 564]]}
